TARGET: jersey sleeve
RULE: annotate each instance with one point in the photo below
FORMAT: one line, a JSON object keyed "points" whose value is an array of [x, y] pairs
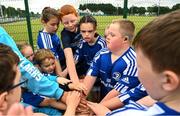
{"points": [[126, 83], [134, 94], [36, 83], [95, 65], [66, 39]]}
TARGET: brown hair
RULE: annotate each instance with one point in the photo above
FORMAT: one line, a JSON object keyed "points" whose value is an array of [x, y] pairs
{"points": [[67, 9], [127, 27], [21, 45], [159, 40], [48, 13], [8, 59], [42, 54]]}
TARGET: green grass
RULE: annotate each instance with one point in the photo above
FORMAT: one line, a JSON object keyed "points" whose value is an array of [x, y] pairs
{"points": [[18, 30]]}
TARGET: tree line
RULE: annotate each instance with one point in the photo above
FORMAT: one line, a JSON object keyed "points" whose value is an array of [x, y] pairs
{"points": [[11, 12], [109, 9]]}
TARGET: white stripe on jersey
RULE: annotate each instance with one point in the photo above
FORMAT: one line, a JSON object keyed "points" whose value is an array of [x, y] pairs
{"points": [[43, 40]]}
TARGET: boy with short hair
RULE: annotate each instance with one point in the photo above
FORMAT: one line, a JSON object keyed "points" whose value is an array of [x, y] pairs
{"points": [[117, 63], [159, 49]]}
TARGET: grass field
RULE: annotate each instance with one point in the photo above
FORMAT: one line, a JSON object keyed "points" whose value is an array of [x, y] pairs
{"points": [[18, 30]]}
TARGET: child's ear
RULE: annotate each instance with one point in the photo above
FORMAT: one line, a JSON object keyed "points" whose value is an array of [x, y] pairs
{"points": [[171, 81], [3, 101], [126, 38]]}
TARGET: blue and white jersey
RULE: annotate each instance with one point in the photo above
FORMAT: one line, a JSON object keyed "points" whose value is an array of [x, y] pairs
{"points": [[123, 69], [51, 41], [129, 78], [134, 94], [37, 83], [85, 52], [134, 108]]}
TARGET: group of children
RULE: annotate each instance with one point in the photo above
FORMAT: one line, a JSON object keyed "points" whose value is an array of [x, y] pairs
{"points": [[55, 70]]}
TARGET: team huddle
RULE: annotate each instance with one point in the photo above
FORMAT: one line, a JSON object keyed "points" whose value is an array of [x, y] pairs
{"points": [[85, 73]]}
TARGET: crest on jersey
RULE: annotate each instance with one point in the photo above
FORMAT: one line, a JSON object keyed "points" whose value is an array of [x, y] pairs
{"points": [[116, 76]]}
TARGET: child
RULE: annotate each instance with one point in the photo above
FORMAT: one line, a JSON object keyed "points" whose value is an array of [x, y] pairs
{"points": [[37, 83], [118, 62], [45, 61], [158, 48], [91, 44], [48, 39], [10, 90], [26, 50], [70, 39]]}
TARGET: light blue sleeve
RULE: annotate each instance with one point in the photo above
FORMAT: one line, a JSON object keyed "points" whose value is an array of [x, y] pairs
{"points": [[37, 83]]}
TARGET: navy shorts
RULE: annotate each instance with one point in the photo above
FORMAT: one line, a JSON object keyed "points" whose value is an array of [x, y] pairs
{"points": [[32, 99]]}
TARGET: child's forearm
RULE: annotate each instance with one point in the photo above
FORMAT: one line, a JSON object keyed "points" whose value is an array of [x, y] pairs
{"points": [[71, 65]]}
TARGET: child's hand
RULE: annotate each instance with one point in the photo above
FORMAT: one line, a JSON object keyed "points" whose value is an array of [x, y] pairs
{"points": [[63, 81], [98, 109], [73, 99], [78, 87]]}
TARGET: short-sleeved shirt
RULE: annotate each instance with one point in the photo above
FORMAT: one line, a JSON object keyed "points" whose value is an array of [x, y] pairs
{"points": [[85, 52], [124, 69], [134, 108], [70, 39], [51, 41], [134, 94]]}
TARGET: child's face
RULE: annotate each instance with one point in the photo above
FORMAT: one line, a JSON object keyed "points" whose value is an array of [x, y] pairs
{"points": [[28, 53], [114, 38], [48, 65], [150, 79], [14, 95], [70, 22], [87, 32], [52, 25]]}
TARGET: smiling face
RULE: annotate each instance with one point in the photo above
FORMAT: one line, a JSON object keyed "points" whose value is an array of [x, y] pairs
{"points": [[48, 65], [52, 25], [70, 22], [114, 38], [87, 32]]}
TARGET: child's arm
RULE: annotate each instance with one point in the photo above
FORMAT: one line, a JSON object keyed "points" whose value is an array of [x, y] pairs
{"points": [[98, 109], [53, 103], [71, 65], [58, 69], [111, 94], [72, 102], [89, 82]]}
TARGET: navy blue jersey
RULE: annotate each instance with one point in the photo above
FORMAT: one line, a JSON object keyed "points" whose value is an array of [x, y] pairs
{"points": [[85, 52], [51, 41], [132, 108], [123, 69], [70, 39], [134, 94]]}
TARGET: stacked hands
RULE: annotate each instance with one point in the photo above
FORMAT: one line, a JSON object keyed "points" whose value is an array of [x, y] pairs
{"points": [[76, 100]]}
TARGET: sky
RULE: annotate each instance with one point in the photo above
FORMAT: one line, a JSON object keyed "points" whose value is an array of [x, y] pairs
{"points": [[38, 5]]}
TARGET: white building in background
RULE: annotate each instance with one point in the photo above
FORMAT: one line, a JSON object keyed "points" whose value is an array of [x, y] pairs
{"points": [[88, 12]]}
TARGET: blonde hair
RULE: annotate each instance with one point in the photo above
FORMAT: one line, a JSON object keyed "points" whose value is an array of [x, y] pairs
{"points": [[127, 27], [41, 55]]}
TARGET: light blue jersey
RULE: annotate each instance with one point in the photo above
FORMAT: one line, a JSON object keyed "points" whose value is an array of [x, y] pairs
{"points": [[134, 108], [37, 83]]}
